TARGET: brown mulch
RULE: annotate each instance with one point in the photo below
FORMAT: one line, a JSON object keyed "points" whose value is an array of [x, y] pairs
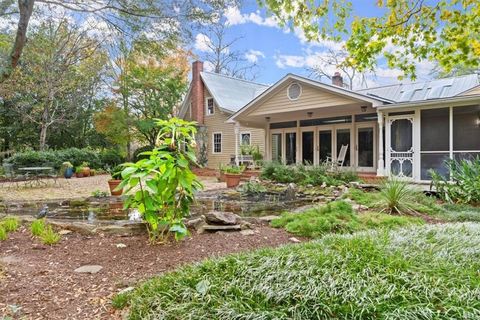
{"points": [[41, 280]]}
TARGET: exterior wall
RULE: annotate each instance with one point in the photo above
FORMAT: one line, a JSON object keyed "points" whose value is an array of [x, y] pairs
{"points": [[216, 123], [310, 98]]}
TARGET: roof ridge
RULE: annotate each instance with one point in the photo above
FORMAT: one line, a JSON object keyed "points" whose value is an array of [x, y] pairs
{"points": [[234, 78]]}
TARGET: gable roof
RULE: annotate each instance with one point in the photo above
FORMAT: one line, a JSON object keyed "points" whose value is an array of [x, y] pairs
{"points": [[231, 94], [425, 90], [331, 88]]}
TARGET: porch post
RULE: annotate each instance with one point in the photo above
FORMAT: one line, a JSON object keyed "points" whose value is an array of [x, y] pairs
{"points": [[237, 132], [381, 163]]}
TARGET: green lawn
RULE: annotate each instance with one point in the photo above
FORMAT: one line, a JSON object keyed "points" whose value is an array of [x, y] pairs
{"points": [[420, 272]]}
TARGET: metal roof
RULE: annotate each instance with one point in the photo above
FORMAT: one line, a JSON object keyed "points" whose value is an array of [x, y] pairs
{"points": [[231, 94], [426, 90]]}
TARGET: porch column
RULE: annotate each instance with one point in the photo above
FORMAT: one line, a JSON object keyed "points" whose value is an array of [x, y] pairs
{"points": [[237, 132], [381, 163]]}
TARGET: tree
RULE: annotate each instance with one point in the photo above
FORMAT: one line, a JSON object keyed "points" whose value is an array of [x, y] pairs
{"points": [[156, 79], [332, 60], [406, 32], [126, 17], [61, 69], [112, 123], [222, 56]]}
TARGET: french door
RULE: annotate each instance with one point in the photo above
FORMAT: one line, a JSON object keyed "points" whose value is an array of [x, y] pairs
{"points": [[365, 147], [400, 158]]}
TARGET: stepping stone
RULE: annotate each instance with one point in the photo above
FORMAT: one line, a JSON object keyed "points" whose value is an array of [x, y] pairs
{"points": [[215, 228], [64, 232], [88, 269], [221, 217], [294, 240]]}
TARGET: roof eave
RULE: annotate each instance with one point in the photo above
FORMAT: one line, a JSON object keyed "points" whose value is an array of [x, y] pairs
{"points": [[430, 102]]}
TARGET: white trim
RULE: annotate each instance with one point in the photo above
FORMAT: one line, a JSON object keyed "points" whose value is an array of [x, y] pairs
{"points": [[299, 94], [206, 106], [437, 103], [213, 142]]}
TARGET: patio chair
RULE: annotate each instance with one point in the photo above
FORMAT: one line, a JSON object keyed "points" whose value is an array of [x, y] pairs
{"points": [[338, 163]]}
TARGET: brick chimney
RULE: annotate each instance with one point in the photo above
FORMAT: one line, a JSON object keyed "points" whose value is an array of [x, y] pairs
{"points": [[337, 80], [197, 97]]}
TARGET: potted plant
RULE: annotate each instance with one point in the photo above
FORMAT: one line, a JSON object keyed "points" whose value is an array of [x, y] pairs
{"points": [[67, 170], [86, 169], [93, 172], [115, 181], [79, 172], [233, 175]]}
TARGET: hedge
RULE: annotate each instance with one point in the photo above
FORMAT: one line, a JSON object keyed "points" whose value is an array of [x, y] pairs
{"points": [[55, 158]]}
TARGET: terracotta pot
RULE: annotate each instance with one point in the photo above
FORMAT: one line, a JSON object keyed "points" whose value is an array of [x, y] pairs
{"points": [[113, 184], [79, 174], [86, 171], [232, 180]]}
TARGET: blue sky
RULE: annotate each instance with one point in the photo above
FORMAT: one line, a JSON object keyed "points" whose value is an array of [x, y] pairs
{"points": [[279, 51]]}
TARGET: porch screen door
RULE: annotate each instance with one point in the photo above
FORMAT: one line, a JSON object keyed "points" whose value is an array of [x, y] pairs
{"points": [[401, 146]]}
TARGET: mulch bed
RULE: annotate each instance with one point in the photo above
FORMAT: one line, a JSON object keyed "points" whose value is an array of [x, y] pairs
{"points": [[41, 280]]}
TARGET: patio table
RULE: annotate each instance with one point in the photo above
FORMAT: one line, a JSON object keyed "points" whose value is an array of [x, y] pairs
{"points": [[36, 173]]}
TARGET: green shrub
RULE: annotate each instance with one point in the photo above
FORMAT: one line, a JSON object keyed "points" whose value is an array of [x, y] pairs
{"points": [[49, 236], [424, 272], [3, 234], [110, 158], [10, 224], [463, 185], [252, 188], [37, 227], [397, 196]]}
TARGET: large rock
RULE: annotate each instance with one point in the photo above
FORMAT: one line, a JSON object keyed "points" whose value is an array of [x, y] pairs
{"points": [[223, 218], [291, 192], [215, 228]]}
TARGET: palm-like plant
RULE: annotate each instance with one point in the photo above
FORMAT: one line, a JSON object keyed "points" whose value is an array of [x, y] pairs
{"points": [[397, 197]]}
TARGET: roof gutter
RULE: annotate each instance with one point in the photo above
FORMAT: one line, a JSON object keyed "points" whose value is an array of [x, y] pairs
{"points": [[456, 99]]}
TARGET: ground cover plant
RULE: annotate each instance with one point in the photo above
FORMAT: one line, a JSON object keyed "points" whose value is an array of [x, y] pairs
{"points": [[306, 175], [37, 227], [337, 217], [427, 272], [7, 225], [463, 184]]}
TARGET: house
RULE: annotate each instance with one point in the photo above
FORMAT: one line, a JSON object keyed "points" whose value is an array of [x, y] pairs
{"points": [[210, 100], [402, 129]]}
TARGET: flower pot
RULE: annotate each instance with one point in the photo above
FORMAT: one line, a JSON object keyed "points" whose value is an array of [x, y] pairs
{"points": [[86, 171], [68, 173], [232, 180], [113, 184], [79, 174]]}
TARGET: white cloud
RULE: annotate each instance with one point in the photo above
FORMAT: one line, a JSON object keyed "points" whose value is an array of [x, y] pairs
{"points": [[253, 55], [234, 16], [202, 42]]}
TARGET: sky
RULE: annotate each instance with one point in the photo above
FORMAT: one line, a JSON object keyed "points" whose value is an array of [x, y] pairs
{"points": [[280, 51]]}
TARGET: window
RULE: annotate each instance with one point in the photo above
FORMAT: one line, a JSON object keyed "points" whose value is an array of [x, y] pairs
{"points": [[277, 147], [217, 142], [294, 91], [209, 106], [245, 139]]}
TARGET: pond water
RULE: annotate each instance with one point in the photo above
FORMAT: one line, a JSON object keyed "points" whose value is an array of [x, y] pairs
{"points": [[111, 208]]}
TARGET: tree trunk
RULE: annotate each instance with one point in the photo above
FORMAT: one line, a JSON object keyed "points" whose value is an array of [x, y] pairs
{"points": [[43, 129], [25, 7]]}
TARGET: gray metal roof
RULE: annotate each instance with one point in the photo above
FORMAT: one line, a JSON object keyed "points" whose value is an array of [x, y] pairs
{"points": [[427, 90], [231, 94]]}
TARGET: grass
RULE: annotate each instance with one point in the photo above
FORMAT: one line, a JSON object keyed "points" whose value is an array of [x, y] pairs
{"points": [[461, 213], [49, 236], [10, 224], [37, 227], [427, 272], [337, 217], [3, 234]]}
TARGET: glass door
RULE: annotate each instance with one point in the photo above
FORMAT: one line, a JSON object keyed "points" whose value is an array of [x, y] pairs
{"points": [[308, 140], [401, 146], [325, 144], [277, 147], [343, 139], [365, 149], [290, 147]]}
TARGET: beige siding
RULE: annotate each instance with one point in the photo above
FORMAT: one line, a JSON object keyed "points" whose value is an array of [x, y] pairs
{"points": [[216, 123], [310, 98], [473, 91]]}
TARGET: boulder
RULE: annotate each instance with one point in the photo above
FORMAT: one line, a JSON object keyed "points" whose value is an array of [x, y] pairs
{"points": [[221, 217], [291, 192], [215, 228]]}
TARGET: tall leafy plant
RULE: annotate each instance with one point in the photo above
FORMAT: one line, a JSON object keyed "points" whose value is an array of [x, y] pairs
{"points": [[463, 185], [162, 187]]}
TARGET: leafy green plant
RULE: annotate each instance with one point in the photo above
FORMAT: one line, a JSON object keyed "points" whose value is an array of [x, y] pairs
{"points": [[100, 194], [378, 274], [233, 169], [49, 236], [37, 227], [397, 196], [10, 224], [252, 188], [116, 172], [78, 169], [463, 185], [165, 184], [3, 234]]}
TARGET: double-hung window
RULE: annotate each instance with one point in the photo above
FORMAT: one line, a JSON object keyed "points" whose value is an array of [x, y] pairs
{"points": [[217, 142], [209, 106], [245, 138]]}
